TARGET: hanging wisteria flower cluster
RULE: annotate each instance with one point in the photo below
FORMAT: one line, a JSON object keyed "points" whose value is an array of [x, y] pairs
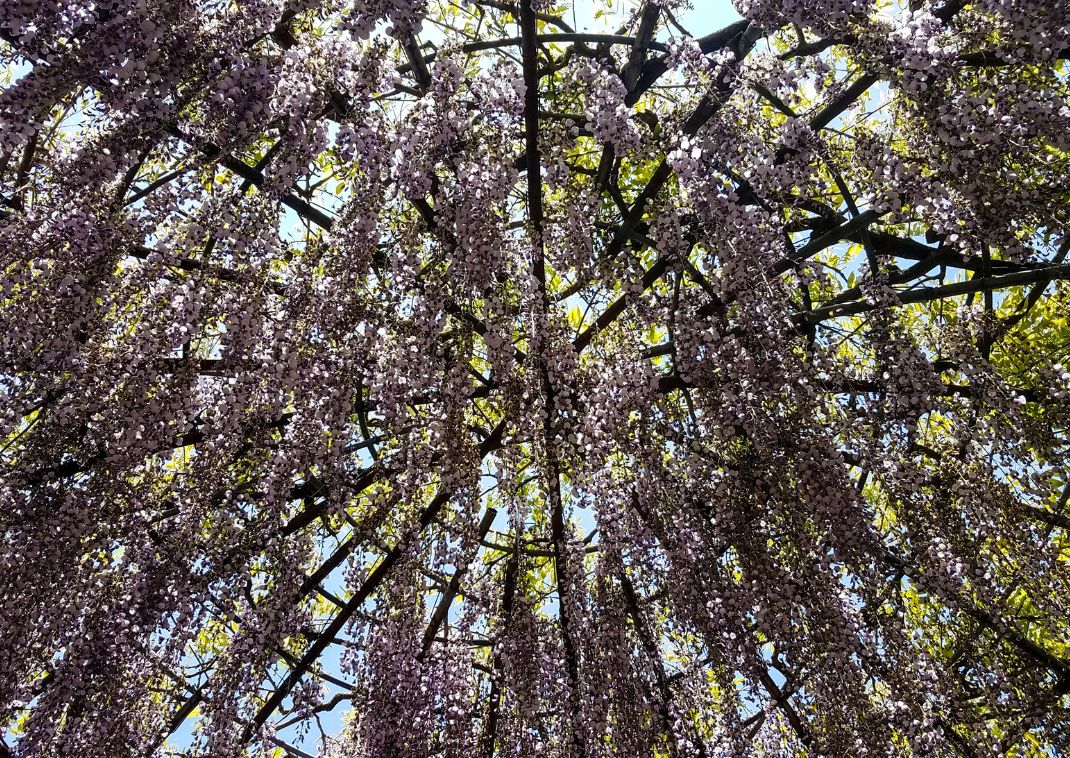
{"points": [[462, 378]]}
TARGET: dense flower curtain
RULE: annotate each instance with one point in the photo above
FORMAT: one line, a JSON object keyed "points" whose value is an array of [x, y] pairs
{"points": [[516, 378]]}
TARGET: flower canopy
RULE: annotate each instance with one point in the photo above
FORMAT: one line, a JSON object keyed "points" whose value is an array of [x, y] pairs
{"points": [[475, 378]]}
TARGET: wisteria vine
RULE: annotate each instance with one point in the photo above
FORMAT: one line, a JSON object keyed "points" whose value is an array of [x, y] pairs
{"points": [[410, 378]]}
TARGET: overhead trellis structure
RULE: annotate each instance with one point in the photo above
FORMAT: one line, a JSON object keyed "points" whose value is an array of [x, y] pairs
{"points": [[426, 378]]}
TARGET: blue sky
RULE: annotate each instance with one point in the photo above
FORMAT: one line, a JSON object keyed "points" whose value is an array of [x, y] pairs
{"points": [[706, 15]]}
